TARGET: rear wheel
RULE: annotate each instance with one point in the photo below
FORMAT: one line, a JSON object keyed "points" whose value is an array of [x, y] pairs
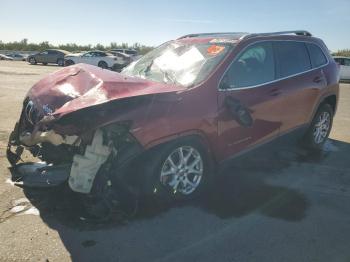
{"points": [[320, 127], [103, 64], [44, 63]]}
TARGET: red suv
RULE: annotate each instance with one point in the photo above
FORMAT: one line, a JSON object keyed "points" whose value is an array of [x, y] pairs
{"points": [[174, 114]]}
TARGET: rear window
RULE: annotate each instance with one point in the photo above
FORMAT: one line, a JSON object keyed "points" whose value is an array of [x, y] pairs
{"points": [[292, 58], [317, 56]]}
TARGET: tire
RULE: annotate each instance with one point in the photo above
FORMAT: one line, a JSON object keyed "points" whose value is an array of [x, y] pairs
{"points": [[44, 63], [60, 62], [159, 181], [320, 127], [69, 63], [102, 64], [32, 61]]}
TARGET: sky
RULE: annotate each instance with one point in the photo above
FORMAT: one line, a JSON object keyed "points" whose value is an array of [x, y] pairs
{"points": [[152, 22]]}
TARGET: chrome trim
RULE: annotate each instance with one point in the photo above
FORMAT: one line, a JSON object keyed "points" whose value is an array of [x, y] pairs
{"points": [[215, 34], [296, 32], [276, 80]]}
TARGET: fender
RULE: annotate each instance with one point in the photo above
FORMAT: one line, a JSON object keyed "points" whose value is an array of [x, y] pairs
{"points": [[188, 133], [320, 101]]}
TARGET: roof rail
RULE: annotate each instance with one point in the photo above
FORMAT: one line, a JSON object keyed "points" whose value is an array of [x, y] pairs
{"points": [[213, 34], [295, 32]]}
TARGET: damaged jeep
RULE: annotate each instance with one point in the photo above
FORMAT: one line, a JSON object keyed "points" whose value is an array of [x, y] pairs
{"points": [[162, 124]]}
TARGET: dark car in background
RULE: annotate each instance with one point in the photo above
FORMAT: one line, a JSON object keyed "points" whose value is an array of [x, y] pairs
{"points": [[49, 56]]}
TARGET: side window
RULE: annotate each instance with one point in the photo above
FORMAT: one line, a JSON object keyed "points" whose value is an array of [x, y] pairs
{"points": [[254, 66], [51, 52], [44, 53], [346, 62], [317, 56], [292, 58], [89, 54]]}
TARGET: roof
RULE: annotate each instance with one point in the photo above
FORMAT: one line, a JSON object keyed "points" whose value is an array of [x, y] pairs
{"points": [[243, 35], [60, 50]]}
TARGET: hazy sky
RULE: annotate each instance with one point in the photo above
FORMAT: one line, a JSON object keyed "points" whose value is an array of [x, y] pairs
{"points": [[153, 22]]}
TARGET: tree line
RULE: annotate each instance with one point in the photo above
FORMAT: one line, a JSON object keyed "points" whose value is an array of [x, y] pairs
{"points": [[24, 45], [342, 52]]}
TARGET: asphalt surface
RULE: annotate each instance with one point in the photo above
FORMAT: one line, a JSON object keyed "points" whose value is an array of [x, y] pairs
{"points": [[278, 203]]}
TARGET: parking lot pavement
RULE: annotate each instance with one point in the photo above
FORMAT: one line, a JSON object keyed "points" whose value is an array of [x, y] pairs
{"points": [[279, 203]]}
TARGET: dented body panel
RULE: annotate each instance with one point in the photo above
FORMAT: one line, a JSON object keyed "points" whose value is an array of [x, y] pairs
{"points": [[99, 118], [81, 86]]}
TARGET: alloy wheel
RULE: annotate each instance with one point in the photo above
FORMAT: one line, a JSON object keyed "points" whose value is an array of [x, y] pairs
{"points": [[322, 127], [182, 170]]}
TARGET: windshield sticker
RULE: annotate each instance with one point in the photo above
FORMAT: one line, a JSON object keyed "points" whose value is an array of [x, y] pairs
{"points": [[215, 49], [223, 41]]}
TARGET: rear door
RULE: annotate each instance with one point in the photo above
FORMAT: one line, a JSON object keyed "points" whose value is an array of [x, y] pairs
{"points": [[249, 100], [300, 81], [41, 57], [86, 58], [51, 57]]}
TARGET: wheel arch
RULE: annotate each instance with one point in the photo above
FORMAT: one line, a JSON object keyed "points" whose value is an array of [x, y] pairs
{"points": [[188, 135], [329, 98], [102, 61]]}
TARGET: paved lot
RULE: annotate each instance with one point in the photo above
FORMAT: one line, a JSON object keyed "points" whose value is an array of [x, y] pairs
{"points": [[276, 204]]}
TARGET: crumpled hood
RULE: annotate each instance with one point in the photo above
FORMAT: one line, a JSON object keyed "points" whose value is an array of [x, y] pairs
{"points": [[81, 86]]}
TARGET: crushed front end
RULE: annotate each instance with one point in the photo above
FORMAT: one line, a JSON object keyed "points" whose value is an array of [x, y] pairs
{"points": [[79, 152]]}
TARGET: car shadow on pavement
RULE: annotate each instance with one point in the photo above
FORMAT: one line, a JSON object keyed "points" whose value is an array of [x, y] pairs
{"points": [[242, 187], [238, 189]]}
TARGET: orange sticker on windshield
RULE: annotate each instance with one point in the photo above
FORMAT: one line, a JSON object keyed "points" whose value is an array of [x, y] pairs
{"points": [[215, 49]]}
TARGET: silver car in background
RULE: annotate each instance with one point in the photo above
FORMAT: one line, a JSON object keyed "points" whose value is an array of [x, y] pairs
{"points": [[344, 63]]}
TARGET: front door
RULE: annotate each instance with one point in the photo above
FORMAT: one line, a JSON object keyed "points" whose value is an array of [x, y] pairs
{"points": [[249, 100]]}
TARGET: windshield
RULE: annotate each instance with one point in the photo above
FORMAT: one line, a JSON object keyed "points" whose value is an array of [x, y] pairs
{"points": [[179, 63]]}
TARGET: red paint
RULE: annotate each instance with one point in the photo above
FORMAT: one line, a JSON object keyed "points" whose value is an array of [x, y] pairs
{"points": [[169, 111]]}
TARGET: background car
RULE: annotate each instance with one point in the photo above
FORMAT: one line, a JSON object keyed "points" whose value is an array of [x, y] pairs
{"points": [[344, 63], [97, 58], [5, 57], [17, 57], [125, 57], [131, 52], [49, 56]]}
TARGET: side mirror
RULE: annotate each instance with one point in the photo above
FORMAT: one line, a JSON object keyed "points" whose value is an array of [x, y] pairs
{"points": [[224, 83], [239, 112]]}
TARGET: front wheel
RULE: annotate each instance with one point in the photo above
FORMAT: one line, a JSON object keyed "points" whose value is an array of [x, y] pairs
{"points": [[69, 62], [60, 62], [320, 127], [178, 170], [32, 61]]}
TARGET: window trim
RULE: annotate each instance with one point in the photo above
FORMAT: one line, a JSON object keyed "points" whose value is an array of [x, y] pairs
{"points": [[308, 50], [276, 80]]}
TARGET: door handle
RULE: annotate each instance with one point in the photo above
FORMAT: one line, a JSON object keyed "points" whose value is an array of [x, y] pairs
{"points": [[274, 91], [318, 79], [239, 112]]}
